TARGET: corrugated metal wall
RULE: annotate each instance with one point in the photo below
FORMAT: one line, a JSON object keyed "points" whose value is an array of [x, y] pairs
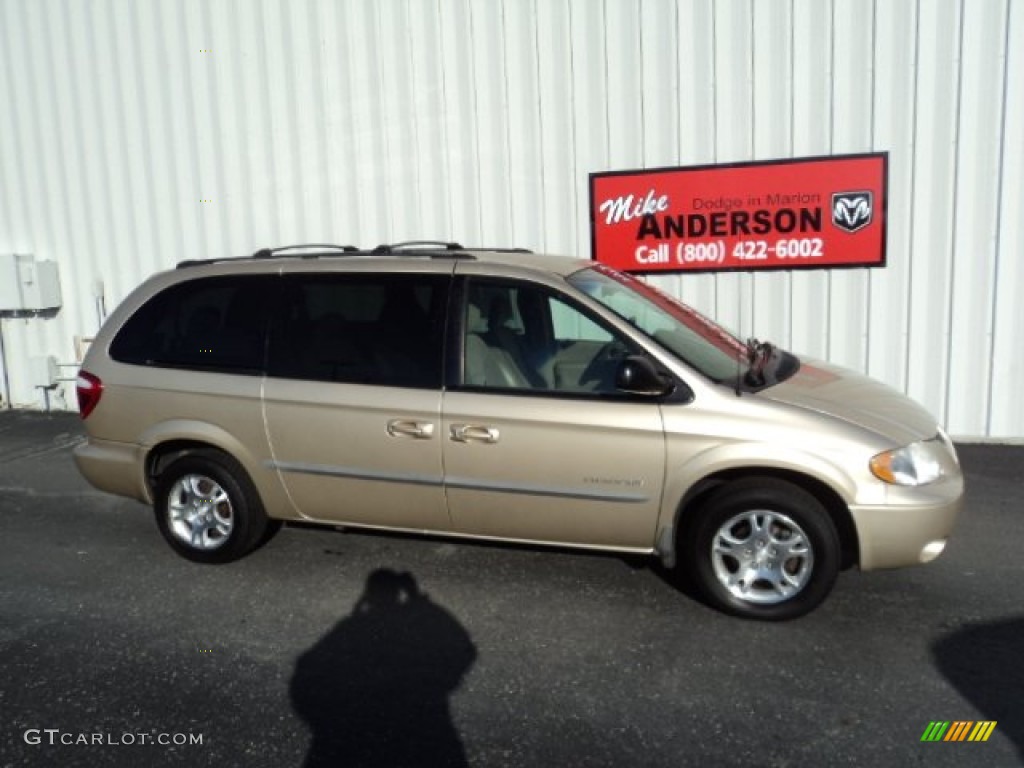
{"points": [[134, 134]]}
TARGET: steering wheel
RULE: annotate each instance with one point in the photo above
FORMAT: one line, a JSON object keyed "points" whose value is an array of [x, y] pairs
{"points": [[613, 351]]}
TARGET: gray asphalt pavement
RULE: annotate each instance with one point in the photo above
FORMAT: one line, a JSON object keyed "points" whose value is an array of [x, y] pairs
{"points": [[330, 648]]}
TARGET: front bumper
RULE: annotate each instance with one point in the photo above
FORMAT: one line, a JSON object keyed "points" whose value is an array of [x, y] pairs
{"points": [[910, 530]]}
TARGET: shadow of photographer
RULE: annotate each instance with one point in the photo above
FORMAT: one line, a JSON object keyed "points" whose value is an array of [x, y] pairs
{"points": [[375, 689]]}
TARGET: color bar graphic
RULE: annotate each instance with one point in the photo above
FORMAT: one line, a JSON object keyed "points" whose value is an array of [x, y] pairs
{"points": [[982, 730], [958, 730]]}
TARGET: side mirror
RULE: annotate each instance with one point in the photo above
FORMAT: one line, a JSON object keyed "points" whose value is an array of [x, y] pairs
{"points": [[637, 376]]}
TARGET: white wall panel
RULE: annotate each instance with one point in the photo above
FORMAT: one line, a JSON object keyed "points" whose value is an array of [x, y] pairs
{"points": [[734, 134], [662, 98], [853, 91], [556, 206], [1006, 409], [936, 137], [459, 84], [975, 216], [138, 134], [811, 110], [772, 134], [525, 133], [589, 72], [895, 59], [698, 118]]}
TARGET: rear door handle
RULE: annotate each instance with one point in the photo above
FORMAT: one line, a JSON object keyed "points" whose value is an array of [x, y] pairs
{"points": [[422, 430], [464, 433]]}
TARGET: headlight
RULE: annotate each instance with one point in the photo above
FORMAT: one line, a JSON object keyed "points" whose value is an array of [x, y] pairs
{"points": [[915, 464]]}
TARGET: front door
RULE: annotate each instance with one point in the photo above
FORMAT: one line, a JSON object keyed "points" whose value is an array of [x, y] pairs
{"points": [[538, 443]]}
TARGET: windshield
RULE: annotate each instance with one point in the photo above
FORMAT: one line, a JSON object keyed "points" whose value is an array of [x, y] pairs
{"points": [[690, 336]]}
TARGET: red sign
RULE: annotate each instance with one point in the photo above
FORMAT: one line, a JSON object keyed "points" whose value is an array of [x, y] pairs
{"points": [[782, 214]]}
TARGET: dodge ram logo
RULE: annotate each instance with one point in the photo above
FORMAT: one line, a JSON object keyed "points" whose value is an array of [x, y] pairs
{"points": [[851, 210]]}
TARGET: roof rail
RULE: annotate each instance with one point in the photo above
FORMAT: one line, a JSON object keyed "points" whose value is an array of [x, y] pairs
{"points": [[499, 250], [428, 248], [411, 245], [201, 262], [269, 253], [433, 246]]}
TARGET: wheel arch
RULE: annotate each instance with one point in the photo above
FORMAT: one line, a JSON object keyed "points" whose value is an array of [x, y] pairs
{"points": [[826, 495], [176, 437], [162, 454], [168, 440]]}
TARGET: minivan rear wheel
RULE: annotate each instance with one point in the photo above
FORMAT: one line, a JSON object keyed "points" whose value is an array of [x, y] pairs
{"points": [[208, 510], [763, 548]]}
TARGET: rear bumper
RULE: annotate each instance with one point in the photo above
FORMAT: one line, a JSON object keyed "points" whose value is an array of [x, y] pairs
{"points": [[911, 530], [113, 467]]}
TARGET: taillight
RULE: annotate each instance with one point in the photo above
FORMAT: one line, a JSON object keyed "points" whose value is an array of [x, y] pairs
{"points": [[89, 389]]}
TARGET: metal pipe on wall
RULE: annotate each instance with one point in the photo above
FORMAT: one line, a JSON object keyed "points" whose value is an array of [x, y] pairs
{"points": [[100, 303], [3, 364]]}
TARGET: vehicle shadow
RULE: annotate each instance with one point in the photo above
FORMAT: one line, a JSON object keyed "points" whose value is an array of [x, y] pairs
{"points": [[374, 690], [677, 578], [984, 663]]}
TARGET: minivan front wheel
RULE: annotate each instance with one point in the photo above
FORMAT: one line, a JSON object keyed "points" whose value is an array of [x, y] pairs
{"points": [[764, 548], [207, 509]]}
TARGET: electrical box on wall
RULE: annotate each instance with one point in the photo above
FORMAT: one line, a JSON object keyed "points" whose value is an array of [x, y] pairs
{"points": [[45, 371], [27, 284]]}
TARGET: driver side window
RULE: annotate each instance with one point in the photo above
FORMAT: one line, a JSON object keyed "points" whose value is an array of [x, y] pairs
{"points": [[522, 337]]}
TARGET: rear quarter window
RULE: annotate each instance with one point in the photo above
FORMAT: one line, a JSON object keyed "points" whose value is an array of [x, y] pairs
{"points": [[215, 324]]}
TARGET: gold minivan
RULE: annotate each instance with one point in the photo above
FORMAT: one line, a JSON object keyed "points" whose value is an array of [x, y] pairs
{"points": [[502, 395]]}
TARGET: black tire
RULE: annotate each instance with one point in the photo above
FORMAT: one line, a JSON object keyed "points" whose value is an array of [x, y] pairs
{"points": [[730, 520], [236, 521]]}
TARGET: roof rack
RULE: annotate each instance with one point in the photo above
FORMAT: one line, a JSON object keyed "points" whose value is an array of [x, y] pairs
{"points": [[432, 246], [499, 250], [416, 245], [269, 253], [426, 248]]}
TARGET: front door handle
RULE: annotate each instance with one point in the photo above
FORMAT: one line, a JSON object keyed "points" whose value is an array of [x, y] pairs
{"points": [[422, 430], [464, 433]]}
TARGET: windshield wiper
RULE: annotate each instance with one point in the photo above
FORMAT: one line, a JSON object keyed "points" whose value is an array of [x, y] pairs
{"points": [[758, 355]]}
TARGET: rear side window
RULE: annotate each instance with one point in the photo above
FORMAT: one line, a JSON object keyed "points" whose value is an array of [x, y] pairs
{"points": [[382, 329], [215, 324]]}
